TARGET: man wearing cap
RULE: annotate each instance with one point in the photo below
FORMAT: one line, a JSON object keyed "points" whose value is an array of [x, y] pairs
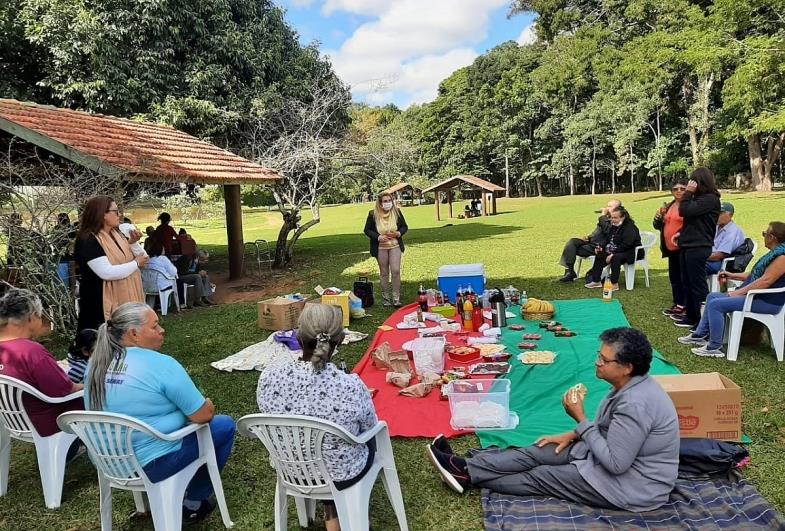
{"points": [[728, 238]]}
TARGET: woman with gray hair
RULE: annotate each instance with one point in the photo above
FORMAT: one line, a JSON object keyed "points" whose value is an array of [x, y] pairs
{"points": [[21, 357], [128, 375], [315, 387]]}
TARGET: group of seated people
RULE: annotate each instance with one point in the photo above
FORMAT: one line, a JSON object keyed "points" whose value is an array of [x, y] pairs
{"points": [[473, 209]]}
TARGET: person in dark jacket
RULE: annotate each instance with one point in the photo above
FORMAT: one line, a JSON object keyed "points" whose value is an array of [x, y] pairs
{"points": [[668, 221], [623, 238], [700, 208], [586, 245], [385, 226]]}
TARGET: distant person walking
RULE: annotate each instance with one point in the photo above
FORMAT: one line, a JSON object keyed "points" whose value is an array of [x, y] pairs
{"points": [[385, 226]]}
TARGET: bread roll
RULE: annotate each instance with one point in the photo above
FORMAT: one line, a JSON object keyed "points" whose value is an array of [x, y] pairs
{"points": [[576, 392]]}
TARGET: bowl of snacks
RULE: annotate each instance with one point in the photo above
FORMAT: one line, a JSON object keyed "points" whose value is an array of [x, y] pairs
{"points": [[537, 357], [462, 354]]}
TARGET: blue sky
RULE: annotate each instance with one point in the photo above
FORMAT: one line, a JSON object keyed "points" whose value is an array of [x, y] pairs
{"points": [[398, 51]]}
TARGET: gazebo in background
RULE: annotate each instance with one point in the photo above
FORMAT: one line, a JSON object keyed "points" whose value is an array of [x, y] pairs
{"points": [[397, 191], [139, 151], [488, 192]]}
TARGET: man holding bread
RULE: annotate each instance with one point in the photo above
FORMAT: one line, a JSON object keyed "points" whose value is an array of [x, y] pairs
{"points": [[627, 458]]}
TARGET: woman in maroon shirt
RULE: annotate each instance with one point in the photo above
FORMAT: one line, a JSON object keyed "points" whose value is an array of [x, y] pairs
{"points": [[21, 321], [165, 234]]}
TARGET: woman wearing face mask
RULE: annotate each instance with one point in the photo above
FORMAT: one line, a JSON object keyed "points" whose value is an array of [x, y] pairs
{"points": [[623, 238], [385, 227]]}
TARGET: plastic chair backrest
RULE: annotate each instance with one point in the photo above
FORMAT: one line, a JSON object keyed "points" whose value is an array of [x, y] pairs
{"points": [[648, 239], [108, 438], [12, 410], [294, 443], [150, 281]]}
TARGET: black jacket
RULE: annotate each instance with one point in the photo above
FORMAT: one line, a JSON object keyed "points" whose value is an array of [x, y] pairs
{"points": [[600, 234], [659, 224], [370, 231], [700, 215], [626, 238]]}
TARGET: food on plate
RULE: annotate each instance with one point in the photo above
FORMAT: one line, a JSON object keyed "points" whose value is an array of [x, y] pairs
{"points": [[516, 327], [527, 345], [577, 392], [546, 324], [489, 348], [498, 356], [537, 357], [532, 336], [492, 368]]}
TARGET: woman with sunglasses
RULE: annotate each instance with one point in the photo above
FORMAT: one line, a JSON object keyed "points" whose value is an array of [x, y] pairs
{"points": [[668, 221], [768, 272], [109, 270]]}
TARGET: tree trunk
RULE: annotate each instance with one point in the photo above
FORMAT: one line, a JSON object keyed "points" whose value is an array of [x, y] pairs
{"points": [[613, 176], [539, 186], [299, 232], [290, 220], [593, 165], [572, 181], [756, 163], [632, 170]]}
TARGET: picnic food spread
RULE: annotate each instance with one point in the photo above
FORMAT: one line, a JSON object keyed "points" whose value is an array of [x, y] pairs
{"points": [[537, 357]]}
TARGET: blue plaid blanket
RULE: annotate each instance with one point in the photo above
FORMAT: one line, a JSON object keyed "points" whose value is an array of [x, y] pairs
{"points": [[697, 505]]}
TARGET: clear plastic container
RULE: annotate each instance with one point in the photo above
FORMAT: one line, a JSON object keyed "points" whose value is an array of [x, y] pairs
{"points": [[428, 354], [479, 404]]}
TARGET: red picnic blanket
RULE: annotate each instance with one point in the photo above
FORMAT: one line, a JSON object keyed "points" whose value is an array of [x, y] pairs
{"points": [[406, 416]]}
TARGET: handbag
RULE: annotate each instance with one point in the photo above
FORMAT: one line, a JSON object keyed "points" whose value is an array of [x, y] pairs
{"points": [[363, 289]]}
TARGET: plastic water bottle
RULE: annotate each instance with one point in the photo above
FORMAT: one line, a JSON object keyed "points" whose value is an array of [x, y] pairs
{"points": [[524, 298]]}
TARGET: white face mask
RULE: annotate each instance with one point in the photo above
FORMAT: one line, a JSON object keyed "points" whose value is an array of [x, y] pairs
{"points": [[617, 223], [387, 206]]}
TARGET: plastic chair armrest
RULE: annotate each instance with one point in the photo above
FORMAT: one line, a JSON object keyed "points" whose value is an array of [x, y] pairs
{"points": [[751, 293], [179, 434], [367, 435], [66, 398]]}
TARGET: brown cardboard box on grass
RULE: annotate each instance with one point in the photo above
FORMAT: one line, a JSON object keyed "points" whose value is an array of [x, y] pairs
{"points": [[708, 404], [341, 300], [280, 313]]}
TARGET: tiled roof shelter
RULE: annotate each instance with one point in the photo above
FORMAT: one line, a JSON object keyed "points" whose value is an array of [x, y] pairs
{"points": [[489, 192], [139, 151]]}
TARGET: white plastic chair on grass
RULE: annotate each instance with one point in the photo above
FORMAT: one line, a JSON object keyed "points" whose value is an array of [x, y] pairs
{"points": [[648, 239], [107, 437], [50, 451], [775, 323], [714, 280], [150, 288], [294, 443]]}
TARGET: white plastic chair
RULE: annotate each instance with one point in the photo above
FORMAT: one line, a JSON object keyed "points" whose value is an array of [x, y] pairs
{"points": [[50, 451], [714, 280], [107, 437], [294, 443], [774, 322], [648, 239], [150, 288]]}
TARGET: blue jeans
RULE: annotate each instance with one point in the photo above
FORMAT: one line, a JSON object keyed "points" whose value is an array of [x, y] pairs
{"points": [[712, 268], [200, 488], [717, 306]]}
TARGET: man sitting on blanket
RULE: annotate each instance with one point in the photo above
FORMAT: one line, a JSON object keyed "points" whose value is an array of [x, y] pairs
{"points": [[628, 458]]}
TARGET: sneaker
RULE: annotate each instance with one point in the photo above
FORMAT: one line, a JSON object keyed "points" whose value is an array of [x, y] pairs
{"points": [[674, 310], [707, 352], [451, 468], [201, 514], [692, 340], [593, 285], [387, 303], [440, 443], [684, 323]]}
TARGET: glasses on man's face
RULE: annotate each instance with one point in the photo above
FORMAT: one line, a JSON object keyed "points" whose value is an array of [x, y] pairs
{"points": [[765, 233], [602, 361]]}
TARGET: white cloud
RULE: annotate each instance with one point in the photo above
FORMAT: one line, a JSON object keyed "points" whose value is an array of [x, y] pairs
{"points": [[410, 45], [528, 35]]}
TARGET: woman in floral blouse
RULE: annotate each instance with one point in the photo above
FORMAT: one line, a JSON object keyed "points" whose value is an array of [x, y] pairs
{"points": [[313, 386]]}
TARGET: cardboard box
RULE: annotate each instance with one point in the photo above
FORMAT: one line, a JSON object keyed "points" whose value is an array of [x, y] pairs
{"points": [[279, 313], [341, 300], [708, 405]]}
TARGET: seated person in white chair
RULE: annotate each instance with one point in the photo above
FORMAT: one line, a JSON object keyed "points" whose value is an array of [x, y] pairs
{"points": [[128, 375], [314, 387], [768, 272], [727, 239], [163, 265]]}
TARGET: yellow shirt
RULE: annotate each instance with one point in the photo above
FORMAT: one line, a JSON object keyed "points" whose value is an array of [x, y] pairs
{"points": [[384, 225]]}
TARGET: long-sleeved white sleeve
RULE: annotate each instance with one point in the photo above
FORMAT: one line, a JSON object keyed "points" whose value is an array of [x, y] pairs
{"points": [[106, 271]]}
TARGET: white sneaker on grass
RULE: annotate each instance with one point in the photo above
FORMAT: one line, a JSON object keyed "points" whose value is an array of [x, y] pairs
{"points": [[707, 352], [692, 340]]}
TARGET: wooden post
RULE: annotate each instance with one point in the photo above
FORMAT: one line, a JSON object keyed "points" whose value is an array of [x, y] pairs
{"points": [[449, 203], [493, 199], [438, 199], [234, 229]]}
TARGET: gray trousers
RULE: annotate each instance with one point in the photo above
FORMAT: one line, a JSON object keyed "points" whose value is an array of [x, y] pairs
{"points": [[533, 471], [572, 249]]}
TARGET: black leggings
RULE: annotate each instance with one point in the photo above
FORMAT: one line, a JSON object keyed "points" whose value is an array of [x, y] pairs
{"points": [[693, 277]]}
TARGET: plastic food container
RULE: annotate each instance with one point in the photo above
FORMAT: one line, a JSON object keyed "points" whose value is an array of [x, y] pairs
{"points": [[428, 354], [479, 404], [463, 354]]}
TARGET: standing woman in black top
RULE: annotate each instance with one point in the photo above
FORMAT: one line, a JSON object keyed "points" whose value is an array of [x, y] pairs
{"points": [[700, 208], [385, 226]]}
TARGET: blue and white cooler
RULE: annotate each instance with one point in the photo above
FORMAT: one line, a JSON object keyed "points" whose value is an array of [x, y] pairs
{"points": [[463, 275]]}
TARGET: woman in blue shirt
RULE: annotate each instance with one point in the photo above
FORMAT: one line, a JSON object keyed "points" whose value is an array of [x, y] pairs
{"points": [[128, 375]]}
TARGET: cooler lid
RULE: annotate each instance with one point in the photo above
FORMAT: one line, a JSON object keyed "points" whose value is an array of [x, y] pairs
{"points": [[462, 270]]}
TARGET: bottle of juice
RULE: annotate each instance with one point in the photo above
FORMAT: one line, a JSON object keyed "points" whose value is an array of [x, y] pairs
{"points": [[459, 302], [468, 315], [607, 290]]}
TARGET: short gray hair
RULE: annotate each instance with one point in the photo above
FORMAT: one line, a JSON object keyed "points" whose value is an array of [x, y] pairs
{"points": [[18, 306], [109, 350], [320, 331]]}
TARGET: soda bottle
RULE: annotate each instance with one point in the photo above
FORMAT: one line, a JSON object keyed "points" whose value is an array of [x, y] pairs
{"points": [[472, 296], [477, 318], [422, 299], [607, 290], [468, 315], [420, 316], [459, 301]]}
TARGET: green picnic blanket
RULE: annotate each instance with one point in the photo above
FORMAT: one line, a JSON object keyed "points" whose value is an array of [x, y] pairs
{"points": [[536, 390]]}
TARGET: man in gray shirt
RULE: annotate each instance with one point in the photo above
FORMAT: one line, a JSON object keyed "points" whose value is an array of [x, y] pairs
{"points": [[628, 458]]}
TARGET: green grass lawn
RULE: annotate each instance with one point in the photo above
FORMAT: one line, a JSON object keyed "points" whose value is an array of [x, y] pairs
{"points": [[519, 246]]}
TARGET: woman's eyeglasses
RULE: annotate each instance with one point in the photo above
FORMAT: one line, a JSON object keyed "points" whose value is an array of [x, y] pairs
{"points": [[678, 188], [115, 210], [603, 361]]}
